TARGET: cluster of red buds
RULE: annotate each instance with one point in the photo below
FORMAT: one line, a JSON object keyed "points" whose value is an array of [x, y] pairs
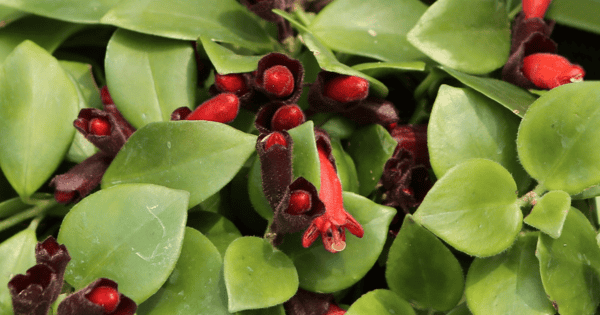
{"points": [[310, 303], [34, 292], [533, 62]]}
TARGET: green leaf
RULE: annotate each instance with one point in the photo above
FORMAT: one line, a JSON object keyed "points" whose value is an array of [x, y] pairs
{"points": [[345, 167], [223, 21], [380, 302], [479, 128], [569, 266], [257, 275], [18, 255], [375, 28], [322, 271], [255, 192], [197, 156], [510, 96], [370, 147], [131, 234], [337, 126], [508, 283], [67, 10], [550, 213], [149, 77], [422, 270], [38, 104], [8, 14], [461, 309], [226, 61], [378, 69], [275, 310], [195, 286], [220, 231], [12, 206], [576, 13], [305, 158], [473, 208], [557, 134], [469, 36]]}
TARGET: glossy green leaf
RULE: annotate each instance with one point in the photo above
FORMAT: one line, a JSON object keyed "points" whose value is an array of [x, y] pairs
{"points": [[380, 302], [37, 107], [226, 61], [473, 208], [195, 286], [18, 255], [257, 275], [345, 167], [129, 233], [67, 10], [508, 283], [576, 13], [375, 28], [149, 77], [570, 265], [557, 134], [422, 270], [338, 126], [218, 229], [275, 310], [550, 212], [510, 96], [322, 271], [469, 36], [305, 158], [461, 309], [12, 206], [224, 21], [478, 128], [197, 156], [370, 147], [255, 192], [8, 14], [377, 69]]}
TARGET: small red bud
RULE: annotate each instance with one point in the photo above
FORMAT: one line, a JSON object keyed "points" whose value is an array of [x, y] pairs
{"points": [[335, 310], [107, 297], [346, 89], [548, 71], [99, 127], [64, 197], [279, 80], [105, 96], [535, 8], [287, 117], [300, 202], [275, 138], [221, 108], [231, 83]]}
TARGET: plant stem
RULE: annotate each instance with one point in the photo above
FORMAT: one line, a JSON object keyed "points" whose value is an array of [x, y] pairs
{"points": [[301, 15], [515, 11], [36, 211], [434, 76], [420, 112]]}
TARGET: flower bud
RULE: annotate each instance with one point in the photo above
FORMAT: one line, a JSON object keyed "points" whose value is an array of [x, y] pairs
{"points": [[99, 127], [535, 8], [279, 81], [106, 297], [231, 83], [548, 71], [287, 117], [275, 138], [300, 202], [221, 108], [346, 88]]}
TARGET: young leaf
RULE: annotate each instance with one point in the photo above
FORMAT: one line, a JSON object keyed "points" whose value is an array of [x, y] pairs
{"points": [[550, 212], [508, 283], [18, 255], [226, 61], [257, 275], [180, 155], [473, 208], [422, 270], [131, 234], [380, 302]]}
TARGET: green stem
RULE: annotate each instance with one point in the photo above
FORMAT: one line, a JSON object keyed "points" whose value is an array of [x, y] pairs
{"points": [[434, 76], [301, 15], [36, 211], [515, 11], [531, 198], [420, 112]]}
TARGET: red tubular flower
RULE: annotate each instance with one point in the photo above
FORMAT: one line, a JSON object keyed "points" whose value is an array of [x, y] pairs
{"points": [[535, 8], [336, 93], [279, 78], [548, 71], [231, 83], [345, 88], [277, 116], [335, 310], [100, 297], [332, 223], [222, 108]]}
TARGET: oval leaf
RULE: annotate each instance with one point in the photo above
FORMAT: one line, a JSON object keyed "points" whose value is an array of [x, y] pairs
{"points": [[422, 270], [473, 208], [67, 10], [508, 283], [131, 234], [550, 212], [474, 40], [195, 285], [38, 104], [226, 61], [18, 255], [257, 275], [479, 128], [570, 265], [197, 156], [149, 77], [580, 14], [257, 197], [219, 231], [315, 264], [557, 134], [380, 302], [344, 166]]}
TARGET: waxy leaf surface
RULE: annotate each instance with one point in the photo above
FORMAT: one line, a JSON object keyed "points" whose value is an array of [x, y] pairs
{"points": [[469, 36], [377, 69], [226, 61], [345, 167], [570, 265], [38, 104], [197, 156], [67, 10], [218, 229], [149, 77], [255, 192], [322, 271], [473, 208], [508, 283], [257, 275], [576, 13], [18, 255], [131, 234], [550, 212], [380, 302], [305, 158], [196, 284], [557, 134]]}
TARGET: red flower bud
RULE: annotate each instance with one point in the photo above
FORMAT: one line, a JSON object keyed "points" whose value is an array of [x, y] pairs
{"points": [[221, 108], [231, 83], [335, 310], [300, 202], [287, 117], [279, 81], [346, 89], [64, 197], [548, 71], [535, 8], [107, 297], [275, 138], [99, 127]]}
